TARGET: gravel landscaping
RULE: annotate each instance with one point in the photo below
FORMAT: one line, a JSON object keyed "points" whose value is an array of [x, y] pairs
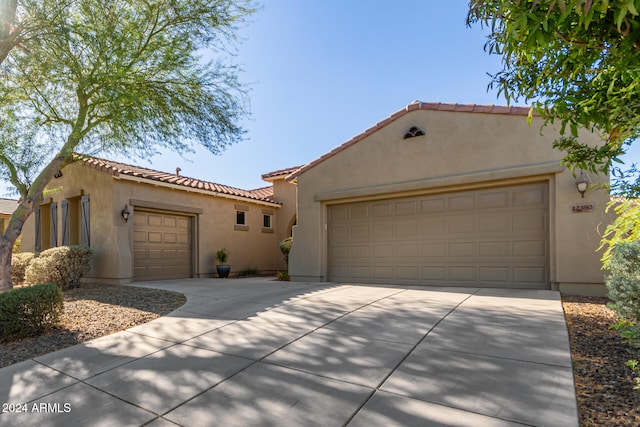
{"points": [[93, 311], [604, 385]]}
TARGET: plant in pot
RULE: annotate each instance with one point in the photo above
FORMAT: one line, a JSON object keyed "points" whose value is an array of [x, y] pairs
{"points": [[223, 270]]}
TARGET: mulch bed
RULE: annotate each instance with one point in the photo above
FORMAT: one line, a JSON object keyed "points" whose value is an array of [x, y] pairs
{"points": [[604, 385], [93, 311]]}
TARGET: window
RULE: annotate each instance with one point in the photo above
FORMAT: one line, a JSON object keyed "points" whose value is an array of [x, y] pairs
{"points": [[241, 218], [266, 221]]}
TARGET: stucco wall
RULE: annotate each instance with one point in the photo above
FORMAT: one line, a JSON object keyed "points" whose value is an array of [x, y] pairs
{"points": [[112, 238], [285, 193], [458, 151]]}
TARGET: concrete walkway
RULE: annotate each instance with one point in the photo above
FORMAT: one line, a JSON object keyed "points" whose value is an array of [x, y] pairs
{"points": [[254, 352]]}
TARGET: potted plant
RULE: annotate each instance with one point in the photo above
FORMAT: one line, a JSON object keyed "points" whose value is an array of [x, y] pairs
{"points": [[223, 270]]}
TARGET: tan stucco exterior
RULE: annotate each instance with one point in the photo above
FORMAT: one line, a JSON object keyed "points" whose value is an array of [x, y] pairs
{"points": [[463, 148], [213, 220]]}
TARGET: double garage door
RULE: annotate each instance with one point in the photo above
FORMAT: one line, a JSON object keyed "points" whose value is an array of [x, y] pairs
{"points": [[495, 237], [162, 246]]}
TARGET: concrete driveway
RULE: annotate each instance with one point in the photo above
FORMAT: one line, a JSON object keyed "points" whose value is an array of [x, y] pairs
{"points": [[254, 352]]}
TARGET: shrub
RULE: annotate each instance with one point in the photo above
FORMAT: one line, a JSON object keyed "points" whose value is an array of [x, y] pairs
{"points": [[29, 311], [19, 264], [285, 248], [222, 255], [249, 271], [624, 282], [64, 266], [283, 276]]}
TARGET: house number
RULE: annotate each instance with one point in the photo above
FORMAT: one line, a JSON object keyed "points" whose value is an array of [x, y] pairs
{"points": [[582, 207]]}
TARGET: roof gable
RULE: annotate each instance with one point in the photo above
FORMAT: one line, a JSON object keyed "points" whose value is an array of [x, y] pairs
{"points": [[118, 169], [415, 105]]}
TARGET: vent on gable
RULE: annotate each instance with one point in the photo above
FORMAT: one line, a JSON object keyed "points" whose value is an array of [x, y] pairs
{"points": [[413, 132]]}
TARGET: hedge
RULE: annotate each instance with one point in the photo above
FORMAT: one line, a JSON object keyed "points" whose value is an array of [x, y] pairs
{"points": [[29, 311]]}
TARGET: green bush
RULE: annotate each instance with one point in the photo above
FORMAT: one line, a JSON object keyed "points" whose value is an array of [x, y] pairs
{"points": [[64, 266], [285, 248], [283, 276], [29, 311], [19, 264], [624, 282], [249, 271]]}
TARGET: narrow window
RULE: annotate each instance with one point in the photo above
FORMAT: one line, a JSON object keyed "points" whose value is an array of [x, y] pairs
{"points": [[240, 218], [266, 221]]}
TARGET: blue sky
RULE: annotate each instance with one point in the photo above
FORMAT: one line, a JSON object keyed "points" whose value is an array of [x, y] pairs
{"points": [[321, 72]]}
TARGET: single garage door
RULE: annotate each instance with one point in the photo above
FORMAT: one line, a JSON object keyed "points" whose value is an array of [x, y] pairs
{"points": [[162, 246], [495, 237]]}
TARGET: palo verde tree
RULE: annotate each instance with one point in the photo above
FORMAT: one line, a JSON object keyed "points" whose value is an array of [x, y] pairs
{"points": [[578, 63], [115, 76]]}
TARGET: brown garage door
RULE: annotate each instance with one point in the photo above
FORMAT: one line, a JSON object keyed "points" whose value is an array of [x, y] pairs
{"points": [[162, 246], [494, 237]]}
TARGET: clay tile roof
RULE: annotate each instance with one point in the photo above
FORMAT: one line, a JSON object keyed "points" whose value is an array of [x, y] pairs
{"points": [[415, 105], [280, 173], [7, 206], [264, 192], [117, 169]]}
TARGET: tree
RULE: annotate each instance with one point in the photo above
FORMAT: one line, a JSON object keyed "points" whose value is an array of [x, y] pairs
{"points": [[88, 76], [578, 63]]}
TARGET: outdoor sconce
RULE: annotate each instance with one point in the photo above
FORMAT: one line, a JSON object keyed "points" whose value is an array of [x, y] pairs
{"points": [[125, 213], [582, 183]]}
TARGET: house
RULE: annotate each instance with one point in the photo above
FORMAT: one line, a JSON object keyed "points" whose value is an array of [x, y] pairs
{"points": [[145, 224], [450, 194], [7, 206]]}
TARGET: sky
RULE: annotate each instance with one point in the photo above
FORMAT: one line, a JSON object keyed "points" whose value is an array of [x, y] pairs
{"points": [[320, 72]]}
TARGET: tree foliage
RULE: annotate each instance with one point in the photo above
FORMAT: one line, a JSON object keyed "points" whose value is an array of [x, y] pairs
{"points": [[577, 61], [115, 76]]}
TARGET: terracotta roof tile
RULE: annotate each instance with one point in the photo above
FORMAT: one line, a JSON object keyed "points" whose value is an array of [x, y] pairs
{"points": [[279, 173], [117, 169], [264, 192], [415, 105]]}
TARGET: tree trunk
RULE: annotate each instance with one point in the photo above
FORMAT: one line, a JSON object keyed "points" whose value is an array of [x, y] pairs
{"points": [[7, 240], [6, 249]]}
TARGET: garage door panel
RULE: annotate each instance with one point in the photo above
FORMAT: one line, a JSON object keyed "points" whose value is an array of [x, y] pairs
{"points": [[461, 225], [162, 246], [529, 274], [360, 252], [494, 249], [529, 196], [529, 248], [493, 199], [462, 250], [464, 202], [529, 223], [383, 251], [407, 250], [360, 271], [433, 273], [434, 226], [407, 208], [359, 212], [382, 272], [492, 237], [463, 273], [405, 230], [359, 232], [407, 273], [495, 274], [382, 210], [434, 250], [154, 220]]}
